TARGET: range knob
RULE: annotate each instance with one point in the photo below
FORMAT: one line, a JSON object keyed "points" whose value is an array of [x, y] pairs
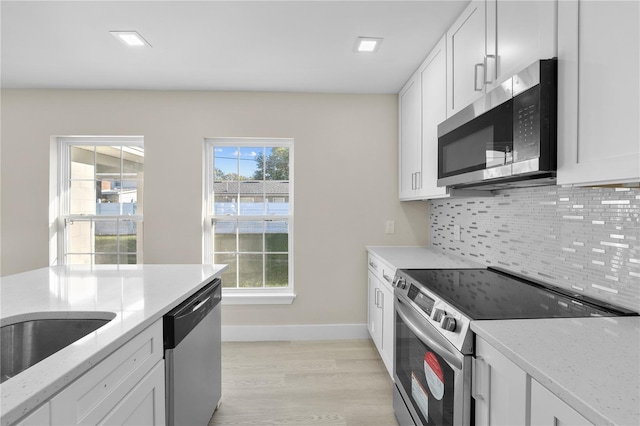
{"points": [[401, 283], [448, 323], [437, 315]]}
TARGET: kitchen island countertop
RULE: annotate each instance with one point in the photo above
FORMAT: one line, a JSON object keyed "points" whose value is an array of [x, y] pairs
{"points": [[592, 364], [138, 295]]}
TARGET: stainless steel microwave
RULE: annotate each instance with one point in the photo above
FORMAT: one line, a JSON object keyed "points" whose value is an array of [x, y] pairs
{"points": [[505, 139]]}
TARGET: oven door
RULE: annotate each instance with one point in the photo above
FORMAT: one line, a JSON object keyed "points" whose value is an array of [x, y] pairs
{"points": [[431, 375]]}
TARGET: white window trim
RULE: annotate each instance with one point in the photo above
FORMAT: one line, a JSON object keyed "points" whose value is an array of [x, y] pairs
{"points": [[64, 167], [248, 296]]}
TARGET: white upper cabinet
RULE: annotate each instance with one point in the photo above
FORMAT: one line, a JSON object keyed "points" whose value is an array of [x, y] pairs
{"points": [[598, 86], [423, 105], [410, 150], [493, 40], [518, 34], [465, 57], [433, 82]]}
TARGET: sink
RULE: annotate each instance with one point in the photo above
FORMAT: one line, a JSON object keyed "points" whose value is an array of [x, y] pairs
{"points": [[28, 342]]}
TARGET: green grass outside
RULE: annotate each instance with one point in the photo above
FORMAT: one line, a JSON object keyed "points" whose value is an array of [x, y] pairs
{"points": [[107, 246]]}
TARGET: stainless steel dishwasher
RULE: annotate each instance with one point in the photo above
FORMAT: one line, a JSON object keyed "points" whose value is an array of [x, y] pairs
{"points": [[192, 336]]}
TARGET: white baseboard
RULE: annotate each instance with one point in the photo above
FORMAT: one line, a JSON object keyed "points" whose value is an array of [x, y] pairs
{"points": [[257, 333]]}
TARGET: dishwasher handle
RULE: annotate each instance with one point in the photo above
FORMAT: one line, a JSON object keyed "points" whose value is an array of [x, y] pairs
{"points": [[185, 317]]}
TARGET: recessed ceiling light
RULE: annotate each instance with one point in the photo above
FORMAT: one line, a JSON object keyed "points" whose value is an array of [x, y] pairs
{"points": [[367, 44], [130, 38]]}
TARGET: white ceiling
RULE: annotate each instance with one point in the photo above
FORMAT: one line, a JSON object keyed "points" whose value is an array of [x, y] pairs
{"points": [[300, 46]]}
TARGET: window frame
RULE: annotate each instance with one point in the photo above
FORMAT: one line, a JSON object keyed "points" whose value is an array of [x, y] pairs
{"points": [[241, 296], [63, 192]]}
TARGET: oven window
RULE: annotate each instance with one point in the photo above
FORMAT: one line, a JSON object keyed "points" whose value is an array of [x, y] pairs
{"points": [[426, 378]]}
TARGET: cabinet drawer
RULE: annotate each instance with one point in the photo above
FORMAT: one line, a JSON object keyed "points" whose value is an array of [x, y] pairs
{"points": [[381, 270], [92, 396], [144, 405]]}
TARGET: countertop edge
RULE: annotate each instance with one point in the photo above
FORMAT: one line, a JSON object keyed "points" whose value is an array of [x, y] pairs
{"points": [[421, 257]]}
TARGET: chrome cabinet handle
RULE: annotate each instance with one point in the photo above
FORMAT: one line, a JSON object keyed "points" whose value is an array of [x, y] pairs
{"points": [[381, 300], [475, 76], [418, 180], [481, 378], [373, 265], [376, 298], [387, 277], [486, 68]]}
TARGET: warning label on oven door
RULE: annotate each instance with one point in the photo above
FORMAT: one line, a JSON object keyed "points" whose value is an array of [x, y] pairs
{"points": [[434, 376], [419, 396]]}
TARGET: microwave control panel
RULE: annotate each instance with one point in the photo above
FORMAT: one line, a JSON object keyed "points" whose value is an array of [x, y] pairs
{"points": [[526, 125]]}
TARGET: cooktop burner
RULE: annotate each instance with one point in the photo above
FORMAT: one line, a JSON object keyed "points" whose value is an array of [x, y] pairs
{"points": [[488, 294]]}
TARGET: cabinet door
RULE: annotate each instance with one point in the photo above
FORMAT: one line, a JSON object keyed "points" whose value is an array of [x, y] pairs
{"points": [[374, 313], [409, 137], [385, 300], [549, 410], [38, 417], [598, 86], [433, 83], [100, 390], [518, 34], [499, 388], [465, 57], [145, 404]]}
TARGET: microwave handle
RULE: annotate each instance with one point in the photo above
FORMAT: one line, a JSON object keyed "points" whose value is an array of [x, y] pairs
{"points": [[475, 76]]}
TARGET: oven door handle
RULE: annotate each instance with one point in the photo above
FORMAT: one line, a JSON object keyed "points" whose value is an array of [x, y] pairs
{"points": [[443, 347]]}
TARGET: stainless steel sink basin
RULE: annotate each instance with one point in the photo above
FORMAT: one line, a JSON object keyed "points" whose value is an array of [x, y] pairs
{"points": [[28, 342]]}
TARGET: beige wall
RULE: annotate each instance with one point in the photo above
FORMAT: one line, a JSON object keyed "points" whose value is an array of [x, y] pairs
{"points": [[345, 152]]}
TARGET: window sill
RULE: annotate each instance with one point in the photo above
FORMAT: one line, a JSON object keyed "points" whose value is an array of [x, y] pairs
{"points": [[256, 298]]}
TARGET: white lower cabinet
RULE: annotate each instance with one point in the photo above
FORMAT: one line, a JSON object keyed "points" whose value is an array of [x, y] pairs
{"points": [[144, 405], [506, 395], [39, 417], [549, 410], [127, 387], [374, 314], [380, 310], [499, 388]]}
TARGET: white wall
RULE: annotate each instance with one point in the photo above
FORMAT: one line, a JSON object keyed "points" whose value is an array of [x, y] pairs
{"points": [[345, 150]]}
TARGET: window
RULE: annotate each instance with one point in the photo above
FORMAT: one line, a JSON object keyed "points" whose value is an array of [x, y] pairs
{"points": [[249, 226], [100, 198]]}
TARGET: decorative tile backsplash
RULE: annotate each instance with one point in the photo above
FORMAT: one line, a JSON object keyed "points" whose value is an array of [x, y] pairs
{"points": [[583, 239]]}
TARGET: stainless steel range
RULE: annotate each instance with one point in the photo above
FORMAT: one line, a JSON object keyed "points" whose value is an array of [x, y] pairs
{"points": [[434, 344]]}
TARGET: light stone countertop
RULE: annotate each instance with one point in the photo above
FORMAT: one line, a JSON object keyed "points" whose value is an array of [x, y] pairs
{"points": [[421, 258], [138, 295], [592, 364]]}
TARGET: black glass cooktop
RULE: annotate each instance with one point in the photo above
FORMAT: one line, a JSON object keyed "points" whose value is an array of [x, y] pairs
{"points": [[483, 294]]}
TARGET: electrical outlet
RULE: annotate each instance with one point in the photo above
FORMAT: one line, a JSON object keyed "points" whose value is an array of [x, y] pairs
{"points": [[456, 232], [390, 227]]}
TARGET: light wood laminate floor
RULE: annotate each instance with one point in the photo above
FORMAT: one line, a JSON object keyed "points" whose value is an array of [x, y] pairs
{"points": [[341, 382]]}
